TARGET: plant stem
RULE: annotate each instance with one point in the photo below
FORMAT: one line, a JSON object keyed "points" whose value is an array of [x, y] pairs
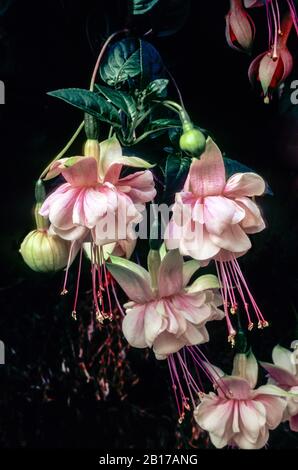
{"points": [[60, 154], [101, 54]]}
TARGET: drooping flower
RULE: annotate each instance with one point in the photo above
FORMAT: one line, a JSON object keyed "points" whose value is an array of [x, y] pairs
{"points": [[98, 206], [272, 67], [163, 313], [238, 414], [284, 373], [212, 218], [240, 28]]}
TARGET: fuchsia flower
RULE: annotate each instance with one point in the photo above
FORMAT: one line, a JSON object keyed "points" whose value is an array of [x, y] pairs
{"points": [[238, 414], [94, 194], [162, 312], [96, 205], [284, 373], [272, 67], [212, 218], [240, 28]]}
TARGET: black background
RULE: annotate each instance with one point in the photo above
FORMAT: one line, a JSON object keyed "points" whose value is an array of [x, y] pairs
{"points": [[48, 45]]}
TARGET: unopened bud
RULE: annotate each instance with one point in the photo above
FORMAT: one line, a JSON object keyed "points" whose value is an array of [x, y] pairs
{"points": [[43, 252]]}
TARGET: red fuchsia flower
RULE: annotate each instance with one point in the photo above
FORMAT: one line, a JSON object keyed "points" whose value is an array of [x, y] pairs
{"points": [[212, 219], [273, 67], [163, 313], [284, 373], [240, 28], [238, 414], [96, 205]]}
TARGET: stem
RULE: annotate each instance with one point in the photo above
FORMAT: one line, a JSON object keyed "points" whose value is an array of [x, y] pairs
{"points": [[60, 154], [101, 54]]}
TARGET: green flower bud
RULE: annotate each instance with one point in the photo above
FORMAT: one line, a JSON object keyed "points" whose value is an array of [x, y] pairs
{"points": [[192, 141], [43, 252]]}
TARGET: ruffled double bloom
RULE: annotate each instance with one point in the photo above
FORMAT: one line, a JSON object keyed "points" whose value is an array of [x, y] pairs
{"points": [[95, 203], [166, 315]]}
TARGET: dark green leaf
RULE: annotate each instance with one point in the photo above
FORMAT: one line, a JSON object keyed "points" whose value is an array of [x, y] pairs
{"points": [[157, 89], [121, 99], [90, 103], [176, 171], [130, 58], [139, 7], [122, 62], [164, 122]]}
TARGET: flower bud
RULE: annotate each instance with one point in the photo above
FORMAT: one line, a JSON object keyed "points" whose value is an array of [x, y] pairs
{"points": [[193, 142], [240, 28], [43, 252]]}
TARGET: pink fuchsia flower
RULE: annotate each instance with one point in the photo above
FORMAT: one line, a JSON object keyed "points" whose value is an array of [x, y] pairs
{"points": [[163, 313], [240, 28], [96, 205], [273, 67], [212, 219], [238, 414], [284, 373], [94, 193]]}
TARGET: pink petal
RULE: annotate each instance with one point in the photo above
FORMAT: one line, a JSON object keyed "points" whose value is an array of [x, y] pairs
{"points": [[216, 417], [252, 420], [244, 184], [94, 206], [232, 239], [239, 388], [75, 233], [165, 344], [220, 212], [253, 221], [133, 327], [207, 175], [294, 423], [138, 186], [153, 323], [275, 407], [281, 376], [61, 208], [197, 243], [82, 173], [195, 335], [170, 278]]}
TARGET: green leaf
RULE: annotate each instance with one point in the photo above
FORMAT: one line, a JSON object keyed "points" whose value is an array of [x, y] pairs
{"points": [[165, 122], [157, 89], [121, 99], [176, 171], [139, 7], [130, 58], [122, 62], [90, 103]]}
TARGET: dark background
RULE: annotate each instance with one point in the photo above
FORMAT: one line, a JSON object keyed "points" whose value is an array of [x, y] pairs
{"points": [[54, 44]]}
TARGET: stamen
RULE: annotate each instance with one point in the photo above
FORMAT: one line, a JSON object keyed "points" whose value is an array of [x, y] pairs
{"points": [[64, 290]]}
